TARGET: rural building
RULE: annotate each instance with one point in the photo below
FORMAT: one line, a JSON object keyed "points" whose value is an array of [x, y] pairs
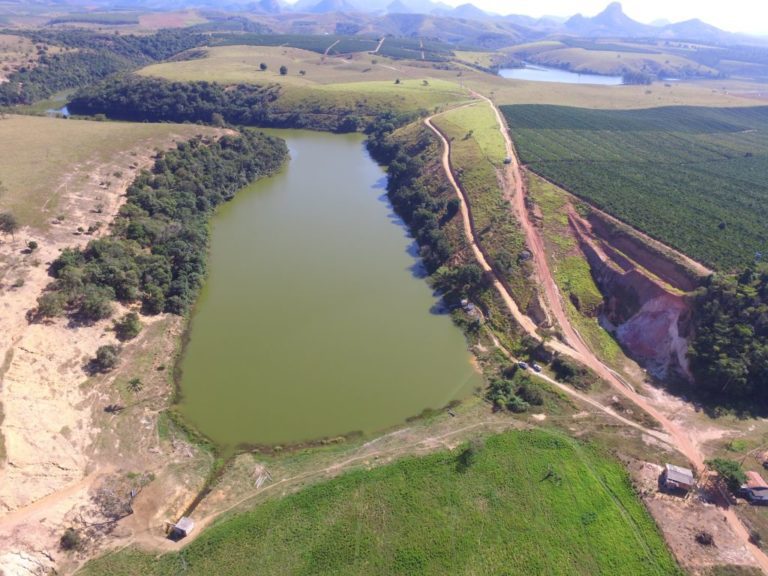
{"points": [[182, 528], [755, 490], [677, 478], [754, 480]]}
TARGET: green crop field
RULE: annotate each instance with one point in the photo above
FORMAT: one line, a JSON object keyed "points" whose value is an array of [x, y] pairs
{"points": [[37, 154], [532, 502], [693, 178]]}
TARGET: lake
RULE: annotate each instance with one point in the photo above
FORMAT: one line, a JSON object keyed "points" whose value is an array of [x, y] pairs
{"points": [[536, 73], [315, 320]]}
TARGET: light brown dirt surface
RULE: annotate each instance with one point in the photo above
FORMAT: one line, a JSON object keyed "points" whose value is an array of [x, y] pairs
{"points": [[52, 412]]}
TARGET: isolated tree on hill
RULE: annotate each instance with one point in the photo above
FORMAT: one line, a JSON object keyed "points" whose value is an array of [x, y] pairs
{"points": [[283, 70], [8, 224], [262, 66]]}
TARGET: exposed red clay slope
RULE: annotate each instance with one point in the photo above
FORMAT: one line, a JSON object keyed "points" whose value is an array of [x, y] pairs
{"points": [[576, 347]]}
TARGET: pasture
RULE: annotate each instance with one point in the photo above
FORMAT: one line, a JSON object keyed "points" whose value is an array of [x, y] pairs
{"points": [[477, 151], [40, 156], [693, 178], [532, 502], [331, 82]]}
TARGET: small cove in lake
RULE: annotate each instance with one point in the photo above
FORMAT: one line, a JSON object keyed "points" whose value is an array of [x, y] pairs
{"points": [[315, 320]]}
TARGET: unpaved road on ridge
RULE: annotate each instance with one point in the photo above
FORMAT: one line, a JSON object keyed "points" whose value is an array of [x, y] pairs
{"points": [[577, 348]]}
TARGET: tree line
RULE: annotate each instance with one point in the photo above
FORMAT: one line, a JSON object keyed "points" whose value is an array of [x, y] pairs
{"points": [[156, 252], [92, 56], [156, 100]]}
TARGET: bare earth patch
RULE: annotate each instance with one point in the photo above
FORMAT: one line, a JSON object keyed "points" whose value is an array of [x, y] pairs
{"points": [[53, 424]]}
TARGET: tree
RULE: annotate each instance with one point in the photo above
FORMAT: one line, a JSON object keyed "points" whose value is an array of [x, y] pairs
{"points": [[128, 327], [730, 471], [96, 303], [51, 304], [283, 70], [217, 119], [135, 385], [8, 224], [397, 80], [262, 66], [106, 358], [32, 245]]}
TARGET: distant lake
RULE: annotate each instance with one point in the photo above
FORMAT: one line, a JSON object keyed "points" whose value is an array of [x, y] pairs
{"points": [[537, 73]]}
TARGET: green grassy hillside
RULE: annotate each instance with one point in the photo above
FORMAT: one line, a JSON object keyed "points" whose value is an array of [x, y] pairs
{"points": [[531, 502], [692, 177]]}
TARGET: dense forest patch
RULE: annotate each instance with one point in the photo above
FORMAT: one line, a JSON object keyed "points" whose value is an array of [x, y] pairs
{"points": [[693, 178], [729, 353], [531, 502], [156, 253], [152, 99]]}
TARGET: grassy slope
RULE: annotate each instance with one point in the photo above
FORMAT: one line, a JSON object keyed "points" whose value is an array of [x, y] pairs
{"points": [[674, 173], [532, 502], [330, 82], [475, 158], [571, 271], [36, 153], [607, 58]]}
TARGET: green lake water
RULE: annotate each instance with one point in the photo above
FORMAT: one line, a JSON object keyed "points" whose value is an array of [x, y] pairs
{"points": [[314, 320]]}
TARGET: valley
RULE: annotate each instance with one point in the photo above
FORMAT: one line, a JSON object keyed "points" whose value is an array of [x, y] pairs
{"points": [[345, 292]]}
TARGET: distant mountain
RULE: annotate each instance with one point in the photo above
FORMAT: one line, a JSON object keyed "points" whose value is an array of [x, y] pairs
{"points": [[326, 6], [400, 7], [266, 7], [610, 22], [469, 12], [696, 30]]}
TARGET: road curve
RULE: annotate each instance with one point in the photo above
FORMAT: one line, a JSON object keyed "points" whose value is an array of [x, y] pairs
{"points": [[575, 346]]}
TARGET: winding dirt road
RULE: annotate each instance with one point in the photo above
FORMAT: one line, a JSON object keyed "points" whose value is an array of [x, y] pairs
{"points": [[574, 346]]}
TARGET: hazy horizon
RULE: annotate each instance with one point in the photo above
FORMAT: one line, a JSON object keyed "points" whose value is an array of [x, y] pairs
{"points": [[744, 16]]}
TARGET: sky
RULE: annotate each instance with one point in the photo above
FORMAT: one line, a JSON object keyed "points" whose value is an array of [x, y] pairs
{"points": [[749, 16]]}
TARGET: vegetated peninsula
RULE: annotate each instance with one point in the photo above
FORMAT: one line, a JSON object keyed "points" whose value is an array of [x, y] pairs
{"points": [[570, 250]]}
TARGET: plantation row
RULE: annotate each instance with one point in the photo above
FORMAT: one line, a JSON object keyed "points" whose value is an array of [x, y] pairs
{"points": [[692, 177], [401, 48]]}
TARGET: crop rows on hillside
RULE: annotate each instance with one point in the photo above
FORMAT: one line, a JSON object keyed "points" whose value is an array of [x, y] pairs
{"points": [[400, 48], [695, 178]]}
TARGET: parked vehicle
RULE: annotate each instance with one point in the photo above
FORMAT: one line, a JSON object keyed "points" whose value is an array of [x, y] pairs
{"points": [[536, 367], [522, 365]]}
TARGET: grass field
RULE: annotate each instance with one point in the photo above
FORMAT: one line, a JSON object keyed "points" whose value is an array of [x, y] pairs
{"points": [[329, 81], [477, 151], [528, 503], [37, 154], [693, 178]]}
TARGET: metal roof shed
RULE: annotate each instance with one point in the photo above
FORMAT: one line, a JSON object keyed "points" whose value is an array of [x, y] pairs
{"points": [[678, 478]]}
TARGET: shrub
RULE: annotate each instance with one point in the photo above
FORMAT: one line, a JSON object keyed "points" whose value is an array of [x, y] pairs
{"points": [[128, 327], [106, 358], [531, 393], [70, 540], [51, 304]]}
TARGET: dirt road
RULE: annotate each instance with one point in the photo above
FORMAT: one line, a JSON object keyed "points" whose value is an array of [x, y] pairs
{"points": [[576, 346]]}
